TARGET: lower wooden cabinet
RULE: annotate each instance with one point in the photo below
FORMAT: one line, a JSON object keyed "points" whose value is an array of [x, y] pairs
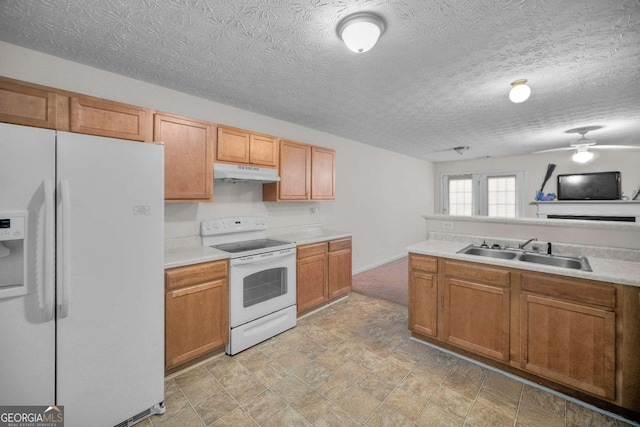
{"points": [[571, 332], [423, 295], [567, 338], [312, 272], [324, 272], [476, 302], [340, 272], [196, 311]]}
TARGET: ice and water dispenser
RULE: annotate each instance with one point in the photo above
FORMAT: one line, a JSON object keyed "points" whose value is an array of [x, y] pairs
{"points": [[13, 254]]}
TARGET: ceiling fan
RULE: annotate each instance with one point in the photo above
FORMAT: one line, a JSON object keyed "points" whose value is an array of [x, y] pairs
{"points": [[583, 145]]}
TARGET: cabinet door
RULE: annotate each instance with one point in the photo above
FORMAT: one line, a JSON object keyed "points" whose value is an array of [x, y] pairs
{"points": [[188, 159], [476, 317], [312, 287], [423, 303], [569, 343], [339, 267], [263, 150], [197, 321], [233, 145], [25, 105], [295, 171], [100, 117], [322, 174]]}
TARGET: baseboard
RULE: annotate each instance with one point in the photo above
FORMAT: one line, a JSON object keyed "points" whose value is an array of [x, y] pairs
{"points": [[378, 264]]}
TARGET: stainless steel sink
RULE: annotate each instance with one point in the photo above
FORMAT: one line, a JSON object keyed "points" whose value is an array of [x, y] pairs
{"points": [[488, 252], [576, 263]]}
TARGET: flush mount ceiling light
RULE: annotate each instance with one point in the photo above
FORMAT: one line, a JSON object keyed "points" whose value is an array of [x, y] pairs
{"points": [[361, 31], [519, 91], [582, 154]]}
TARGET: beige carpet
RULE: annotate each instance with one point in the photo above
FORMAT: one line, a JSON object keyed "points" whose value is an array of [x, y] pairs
{"points": [[389, 281]]}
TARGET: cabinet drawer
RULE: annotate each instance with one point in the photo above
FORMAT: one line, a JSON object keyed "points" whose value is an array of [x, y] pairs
{"points": [[311, 250], [478, 273], [194, 274], [338, 245], [423, 263], [596, 293]]}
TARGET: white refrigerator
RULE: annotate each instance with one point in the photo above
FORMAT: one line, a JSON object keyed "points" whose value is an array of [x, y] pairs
{"points": [[81, 275]]}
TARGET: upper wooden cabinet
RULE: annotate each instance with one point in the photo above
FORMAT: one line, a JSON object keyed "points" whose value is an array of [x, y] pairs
{"points": [[322, 173], [95, 116], [31, 105], [240, 146], [306, 173], [188, 157]]}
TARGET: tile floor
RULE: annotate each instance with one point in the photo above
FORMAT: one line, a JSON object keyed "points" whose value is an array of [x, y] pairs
{"points": [[353, 364]]}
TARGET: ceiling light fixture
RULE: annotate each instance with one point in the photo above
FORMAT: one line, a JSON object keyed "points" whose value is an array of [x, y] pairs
{"points": [[519, 91], [361, 31], [582, 154]]}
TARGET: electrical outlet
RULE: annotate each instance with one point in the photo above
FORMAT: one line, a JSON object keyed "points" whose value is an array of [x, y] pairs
{"points": [[448, 225], [314, 211], [267, 214]]}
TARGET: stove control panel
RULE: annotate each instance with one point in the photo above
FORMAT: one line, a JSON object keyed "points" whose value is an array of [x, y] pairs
{"points": [[232, 225]]}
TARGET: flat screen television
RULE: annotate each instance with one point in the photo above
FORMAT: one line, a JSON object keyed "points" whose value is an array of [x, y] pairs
{"points": [[590, 186]]}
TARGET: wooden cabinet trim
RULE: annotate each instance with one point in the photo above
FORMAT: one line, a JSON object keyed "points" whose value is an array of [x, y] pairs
{"points": [[263, 150]]}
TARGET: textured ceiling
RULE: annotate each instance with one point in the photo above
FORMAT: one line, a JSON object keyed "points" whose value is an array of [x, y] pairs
{"points": [[438, 78]]}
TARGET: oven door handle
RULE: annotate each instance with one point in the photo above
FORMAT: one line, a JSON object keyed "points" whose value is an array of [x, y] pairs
{"points": [[263, 258]]}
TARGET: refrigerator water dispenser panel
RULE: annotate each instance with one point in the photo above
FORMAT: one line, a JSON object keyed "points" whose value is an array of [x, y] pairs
{"points": [[13, 244]]}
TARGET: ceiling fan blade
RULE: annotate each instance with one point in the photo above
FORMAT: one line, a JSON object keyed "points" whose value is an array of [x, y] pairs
{"points": [[550, 150], [615, 147]]}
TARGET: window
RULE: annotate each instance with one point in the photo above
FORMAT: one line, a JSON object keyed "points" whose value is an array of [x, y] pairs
{"points": [[491, 194], [460, 196]]}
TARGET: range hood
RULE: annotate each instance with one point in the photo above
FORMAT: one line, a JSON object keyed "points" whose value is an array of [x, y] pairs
{"points": [[243, 173]]}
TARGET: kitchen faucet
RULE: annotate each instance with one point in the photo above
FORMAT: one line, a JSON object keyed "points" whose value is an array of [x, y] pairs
{"points": [[527, 242]]}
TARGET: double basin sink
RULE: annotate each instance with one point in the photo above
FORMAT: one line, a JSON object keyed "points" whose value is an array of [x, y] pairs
{"points": [[576, 263]]}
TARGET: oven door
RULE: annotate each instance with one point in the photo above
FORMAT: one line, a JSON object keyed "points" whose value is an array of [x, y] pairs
{"points": [[261, 285]]}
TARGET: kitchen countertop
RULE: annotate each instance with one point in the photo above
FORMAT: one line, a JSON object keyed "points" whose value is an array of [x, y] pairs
{"points": [[606, 270], [306, 237], [189, 250], [186, 251]]}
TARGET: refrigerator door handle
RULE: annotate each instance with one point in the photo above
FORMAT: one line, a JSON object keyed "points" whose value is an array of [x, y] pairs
{"points": [[64, 279], [49, 250]]}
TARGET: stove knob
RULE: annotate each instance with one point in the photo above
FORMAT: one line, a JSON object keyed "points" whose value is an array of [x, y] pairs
{"points": [[216, 225]]}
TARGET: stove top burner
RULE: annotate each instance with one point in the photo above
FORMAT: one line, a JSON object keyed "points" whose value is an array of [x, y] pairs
{"points": [[249, 245]]}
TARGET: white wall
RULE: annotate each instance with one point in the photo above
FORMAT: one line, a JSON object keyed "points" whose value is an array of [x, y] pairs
{"points": [[535, 168], [380, 195]]}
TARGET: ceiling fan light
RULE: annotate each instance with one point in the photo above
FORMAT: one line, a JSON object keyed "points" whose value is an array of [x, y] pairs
{"points": [[519, 91], [582, 155], [360, 31]]}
